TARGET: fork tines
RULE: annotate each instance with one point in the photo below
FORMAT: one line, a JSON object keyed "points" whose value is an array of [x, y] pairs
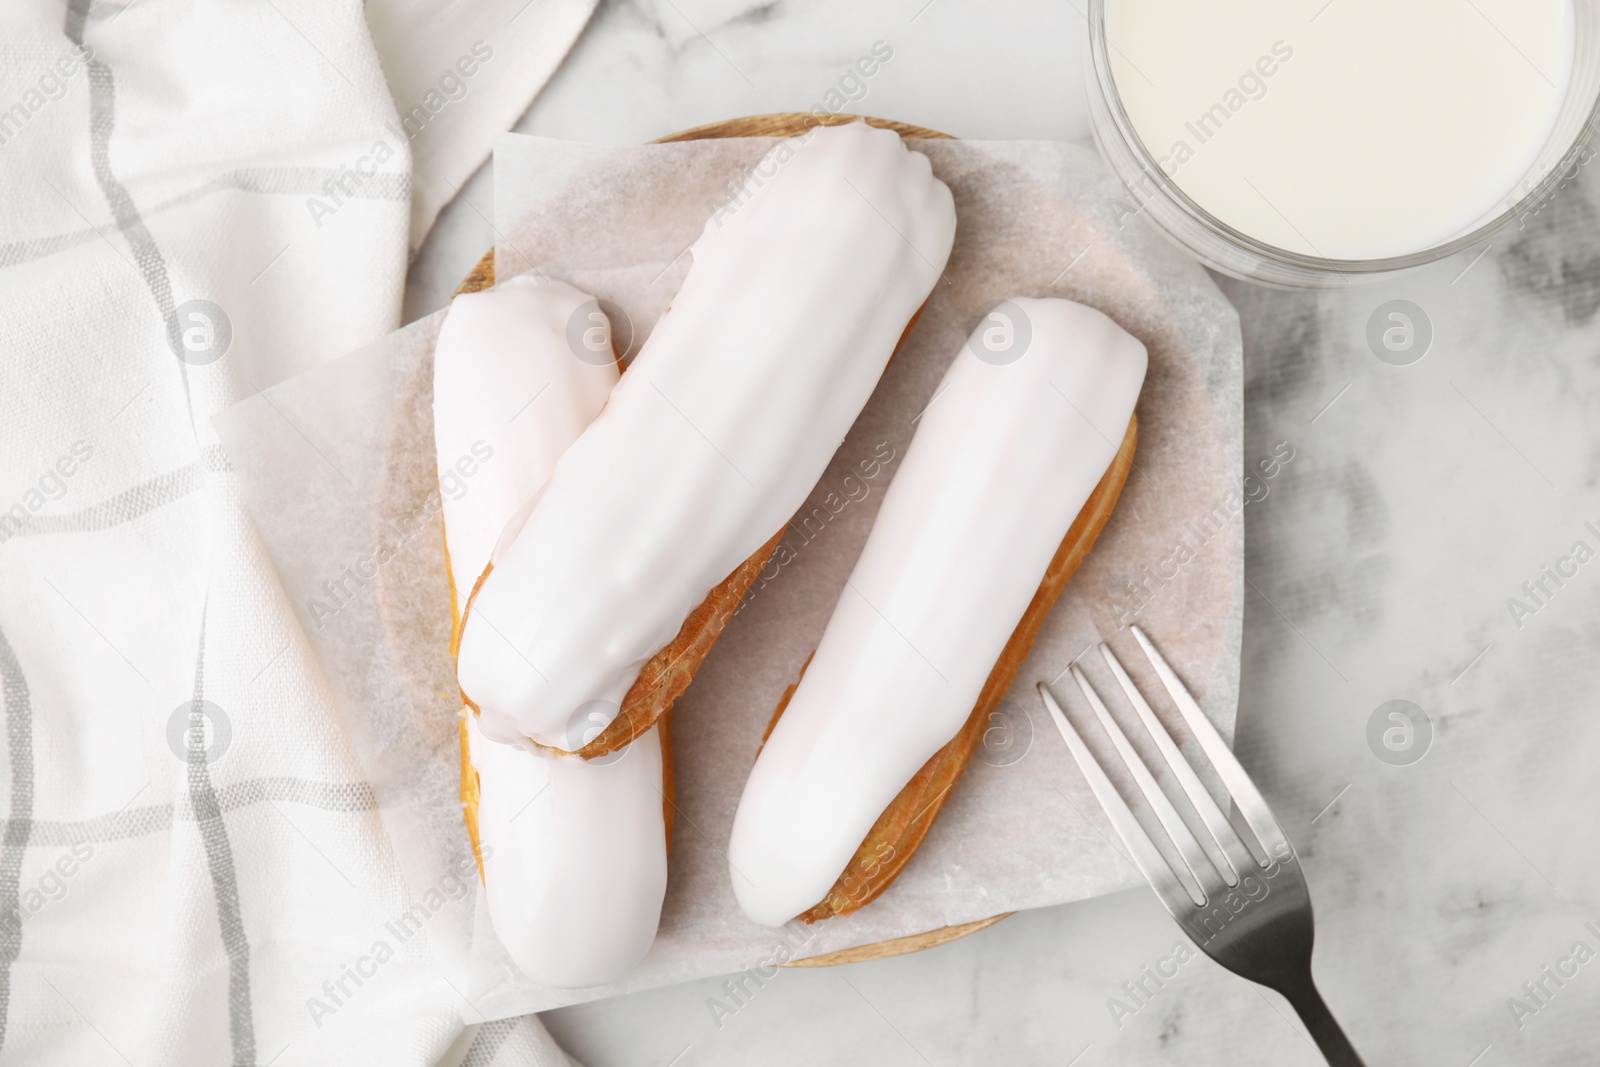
{"points": [[1246, 907], [1211, 863]]}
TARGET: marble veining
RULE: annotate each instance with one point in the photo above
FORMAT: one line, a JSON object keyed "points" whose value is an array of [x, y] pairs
{"points": [[1382, 562]]}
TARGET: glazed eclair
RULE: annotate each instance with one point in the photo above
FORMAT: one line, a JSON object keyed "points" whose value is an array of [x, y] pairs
{"points": [[1007, 481], [713, 438], [573, 854]]}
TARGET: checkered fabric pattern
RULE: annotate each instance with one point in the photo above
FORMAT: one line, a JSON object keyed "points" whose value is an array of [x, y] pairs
{"points": [[197, 200]]}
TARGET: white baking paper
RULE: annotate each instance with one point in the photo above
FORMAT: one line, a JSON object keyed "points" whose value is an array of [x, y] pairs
{"points": [[338, 472]]}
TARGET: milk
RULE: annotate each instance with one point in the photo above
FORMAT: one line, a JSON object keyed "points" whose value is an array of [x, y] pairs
{"points": [[1350, 129]]}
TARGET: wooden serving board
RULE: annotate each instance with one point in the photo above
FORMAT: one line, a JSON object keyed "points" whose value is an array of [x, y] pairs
{"points": [[789, 124], [783, 124]]}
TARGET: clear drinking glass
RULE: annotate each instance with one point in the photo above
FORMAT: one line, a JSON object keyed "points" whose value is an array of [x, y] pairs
{"points": [[1223, 248]]}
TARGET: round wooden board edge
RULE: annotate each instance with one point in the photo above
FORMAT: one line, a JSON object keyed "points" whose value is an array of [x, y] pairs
{"points": [[778, 124], [898, 946], [790, 124]]}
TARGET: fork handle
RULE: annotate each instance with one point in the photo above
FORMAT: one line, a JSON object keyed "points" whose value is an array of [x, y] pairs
{"points": [[1325, 1031]]}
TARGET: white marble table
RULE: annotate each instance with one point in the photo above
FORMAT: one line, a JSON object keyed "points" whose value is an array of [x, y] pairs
{"points": [[1381, 566]]}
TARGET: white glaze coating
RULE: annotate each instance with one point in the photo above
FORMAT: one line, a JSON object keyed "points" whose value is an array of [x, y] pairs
{"points": [[1002, 462], [509, 397], [575, 857], [575, 864], [722, 425]]}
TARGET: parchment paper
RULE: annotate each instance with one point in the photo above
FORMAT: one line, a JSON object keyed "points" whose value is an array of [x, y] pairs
{"points": [[338, 470]]}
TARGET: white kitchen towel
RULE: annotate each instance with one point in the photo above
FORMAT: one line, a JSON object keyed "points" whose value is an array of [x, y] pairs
{"points": [[462, 71], [199, 199]]}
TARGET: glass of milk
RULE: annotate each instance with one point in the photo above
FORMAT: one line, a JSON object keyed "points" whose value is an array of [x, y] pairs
{"points": [[1317, 143]]}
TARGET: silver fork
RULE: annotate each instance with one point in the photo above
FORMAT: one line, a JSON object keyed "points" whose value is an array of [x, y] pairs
{"points": [[1247, 908]]}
